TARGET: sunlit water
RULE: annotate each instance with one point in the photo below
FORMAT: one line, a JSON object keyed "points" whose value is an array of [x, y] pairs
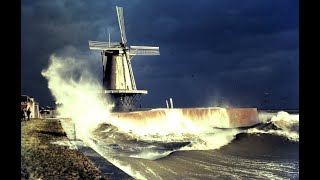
{"points": [[177, 148]]}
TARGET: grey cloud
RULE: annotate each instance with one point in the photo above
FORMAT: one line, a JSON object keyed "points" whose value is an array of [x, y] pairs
{"points": [[208, 48]]}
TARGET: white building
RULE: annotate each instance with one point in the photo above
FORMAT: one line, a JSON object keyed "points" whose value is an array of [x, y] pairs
{"points": [[29, 102]]}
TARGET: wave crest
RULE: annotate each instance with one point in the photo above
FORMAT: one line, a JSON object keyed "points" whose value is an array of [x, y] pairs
{"points": [[283, 124]]}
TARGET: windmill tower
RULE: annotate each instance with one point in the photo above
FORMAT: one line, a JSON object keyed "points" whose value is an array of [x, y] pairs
{"points": [[118, 79]]}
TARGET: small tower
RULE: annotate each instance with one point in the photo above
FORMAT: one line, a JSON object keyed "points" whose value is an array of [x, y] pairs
{"points": [[118, 79]]}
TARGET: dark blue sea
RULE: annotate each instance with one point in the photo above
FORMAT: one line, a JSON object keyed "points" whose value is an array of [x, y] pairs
{"points": [[268, 150]]}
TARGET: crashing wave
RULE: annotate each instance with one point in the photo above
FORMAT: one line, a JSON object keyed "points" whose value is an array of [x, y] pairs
{"points": [[283, 124]]}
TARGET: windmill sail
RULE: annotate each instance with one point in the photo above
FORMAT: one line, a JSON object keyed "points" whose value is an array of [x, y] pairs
{"points": [[144, 50], [98, 45], [118, 75], [133, 82], [121, 24]]}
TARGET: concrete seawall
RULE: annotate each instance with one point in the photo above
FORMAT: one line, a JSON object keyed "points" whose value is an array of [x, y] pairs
{"points": [[219, 117], [103, 165]]}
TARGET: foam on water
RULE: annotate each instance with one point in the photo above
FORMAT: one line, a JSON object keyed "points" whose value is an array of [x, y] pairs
{"points": [[79, 93], [287, 124], [88, 110], [80, 101], [150, 139], [151, 155]]}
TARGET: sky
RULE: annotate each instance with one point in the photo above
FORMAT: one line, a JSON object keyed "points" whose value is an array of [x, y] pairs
{"points": [[212, 52]]}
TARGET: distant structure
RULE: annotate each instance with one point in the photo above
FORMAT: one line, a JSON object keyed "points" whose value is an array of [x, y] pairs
{"points": [[118, 79], [48, 112], [171, 103], [26, 102]]}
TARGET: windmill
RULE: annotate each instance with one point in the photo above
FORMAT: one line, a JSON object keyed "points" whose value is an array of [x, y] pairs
{"points": [[118, 78]]}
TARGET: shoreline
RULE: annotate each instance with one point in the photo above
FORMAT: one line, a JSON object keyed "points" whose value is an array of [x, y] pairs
{"points": [[45, 160]]}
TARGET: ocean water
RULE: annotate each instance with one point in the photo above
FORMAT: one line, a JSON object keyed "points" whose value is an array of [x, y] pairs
{"points": [[269, 150], [173, 147]]}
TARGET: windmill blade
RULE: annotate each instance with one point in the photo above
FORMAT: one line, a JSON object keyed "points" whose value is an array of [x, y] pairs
{"points": [[121, 24], [144, 50], [133, 82], [98, 45], [128, 58]]}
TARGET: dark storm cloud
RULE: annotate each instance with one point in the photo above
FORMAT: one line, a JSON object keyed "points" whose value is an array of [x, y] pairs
{"points": [[211, 51]]}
